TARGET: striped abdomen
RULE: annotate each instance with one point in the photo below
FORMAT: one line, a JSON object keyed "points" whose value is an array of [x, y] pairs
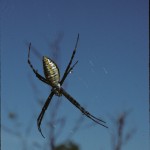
{"points": [[51, 71]]}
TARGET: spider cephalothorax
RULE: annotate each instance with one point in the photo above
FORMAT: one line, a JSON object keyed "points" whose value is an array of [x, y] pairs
{"points": [[52, 78]]}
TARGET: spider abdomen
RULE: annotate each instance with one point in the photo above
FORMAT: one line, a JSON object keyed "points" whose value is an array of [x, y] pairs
{"points": [[51, 71]]}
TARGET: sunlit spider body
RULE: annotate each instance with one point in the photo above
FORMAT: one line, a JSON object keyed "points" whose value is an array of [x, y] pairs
{"points": [[51, 72], [52, 78]]}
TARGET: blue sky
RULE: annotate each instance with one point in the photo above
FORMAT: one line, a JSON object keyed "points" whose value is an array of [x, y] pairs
{"points": [[111, 76]]}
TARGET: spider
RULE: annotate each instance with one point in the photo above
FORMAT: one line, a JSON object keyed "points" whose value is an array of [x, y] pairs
{"points": [[52, 78]]}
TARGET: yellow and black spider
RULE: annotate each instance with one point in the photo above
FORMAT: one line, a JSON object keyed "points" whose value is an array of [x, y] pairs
{"points": [[52, 78]]}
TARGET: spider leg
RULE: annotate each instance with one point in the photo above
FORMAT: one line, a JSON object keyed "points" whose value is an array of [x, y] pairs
{"points": [[35, 71], [70, 62], [74, 102], [40, 117], [71, 68]]}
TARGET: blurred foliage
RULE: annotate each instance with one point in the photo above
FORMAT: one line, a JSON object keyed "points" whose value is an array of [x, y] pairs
{"points": [[67, 146], [120, 136]]}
